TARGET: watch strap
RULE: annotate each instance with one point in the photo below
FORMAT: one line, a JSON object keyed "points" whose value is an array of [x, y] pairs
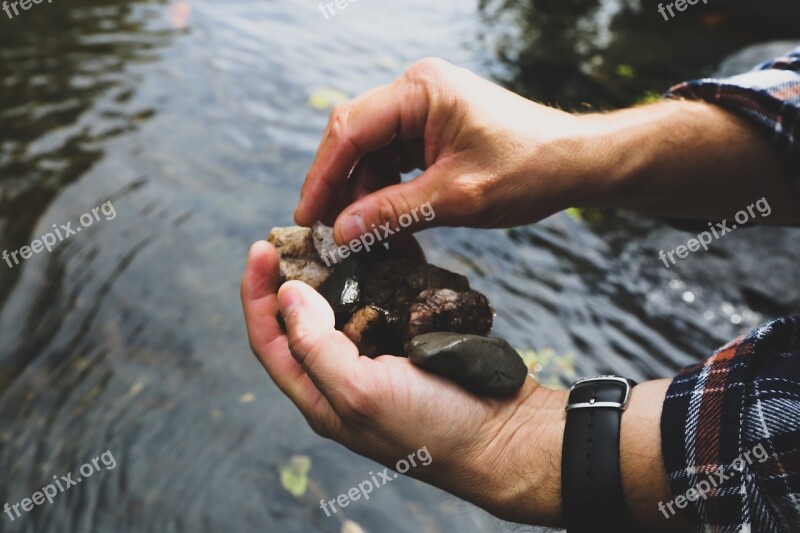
{"points": [[592, 494]]}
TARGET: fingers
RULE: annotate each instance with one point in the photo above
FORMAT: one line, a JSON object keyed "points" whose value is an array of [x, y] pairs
{"points": [[404, 205], [355, 129], [270, 344], [329, 358], [373, 172], [259, 282]]}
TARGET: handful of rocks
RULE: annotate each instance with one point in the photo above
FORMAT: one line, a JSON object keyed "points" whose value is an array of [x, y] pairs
{"points": [[403, 307]]}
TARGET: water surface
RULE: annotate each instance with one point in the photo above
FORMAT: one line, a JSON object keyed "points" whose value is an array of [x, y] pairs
{"points": [[194, 120]]}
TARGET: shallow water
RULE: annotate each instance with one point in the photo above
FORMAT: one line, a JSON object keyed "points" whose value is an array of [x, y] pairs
{"points": [[194, 120]]}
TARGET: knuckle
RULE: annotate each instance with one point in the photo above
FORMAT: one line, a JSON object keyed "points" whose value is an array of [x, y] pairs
{"points": [[337, 123], [304, 344], [471, 197], [339, 130], [427, 68], [386, 212], [357, 405], [439, 83], [320, 425], [254, 349]]}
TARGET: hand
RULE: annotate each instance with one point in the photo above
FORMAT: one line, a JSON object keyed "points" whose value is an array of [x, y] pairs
{"points": [[501, 455], [491, 157], [494, 159]]}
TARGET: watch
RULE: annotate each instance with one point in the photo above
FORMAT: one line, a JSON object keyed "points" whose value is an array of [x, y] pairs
{"points": [[591, 482]]}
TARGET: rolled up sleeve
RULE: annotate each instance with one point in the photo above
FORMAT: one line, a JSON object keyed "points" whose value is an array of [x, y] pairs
{"points": [[730, 432], [769, 96]]}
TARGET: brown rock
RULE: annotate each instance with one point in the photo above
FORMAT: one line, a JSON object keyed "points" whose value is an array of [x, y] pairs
{"points": [[293, 242], [448, 310]]}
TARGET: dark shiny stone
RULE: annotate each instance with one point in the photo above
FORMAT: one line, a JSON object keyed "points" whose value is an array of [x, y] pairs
{"points": [[486, 366]]}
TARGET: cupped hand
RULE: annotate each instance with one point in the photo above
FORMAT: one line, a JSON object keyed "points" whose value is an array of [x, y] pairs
{"points": [[490, 157], [502, 455]]}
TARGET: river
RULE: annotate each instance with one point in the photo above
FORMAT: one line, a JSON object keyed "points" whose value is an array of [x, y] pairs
{"points": [[197, 121]]}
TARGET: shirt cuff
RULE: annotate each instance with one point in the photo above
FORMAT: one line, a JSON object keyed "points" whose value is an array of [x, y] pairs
{"points": [[730, 432]]}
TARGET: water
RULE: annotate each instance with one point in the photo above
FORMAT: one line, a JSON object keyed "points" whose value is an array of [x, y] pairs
{"points": [[194, 121]]}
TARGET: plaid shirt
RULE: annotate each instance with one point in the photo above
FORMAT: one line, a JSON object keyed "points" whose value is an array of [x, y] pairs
{"points": [[769, 95], [730, 427]]}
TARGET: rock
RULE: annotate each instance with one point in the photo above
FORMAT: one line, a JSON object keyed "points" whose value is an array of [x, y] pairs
{"points": [[299, 259], [374, 331], [308, 271], [293, 242], [324, 244], [401, 280], [396, 306], [747, 59], [482, 365], [343, 288], [448, 310], [405, 291], [394, 284]]}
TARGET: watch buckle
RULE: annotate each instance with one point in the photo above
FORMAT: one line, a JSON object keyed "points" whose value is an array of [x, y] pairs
{"points": [[591, 404]]}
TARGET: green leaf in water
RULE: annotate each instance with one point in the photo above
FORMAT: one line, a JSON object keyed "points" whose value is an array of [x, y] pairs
{"points": [[650, 97], [574, 213], [626, 71], [326, 98], [294, 475], [585, 215], [549, 367], [348, 526]]}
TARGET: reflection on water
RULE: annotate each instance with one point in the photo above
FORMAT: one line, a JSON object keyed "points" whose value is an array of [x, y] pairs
{"points": [[611, 53], [194, 120]]}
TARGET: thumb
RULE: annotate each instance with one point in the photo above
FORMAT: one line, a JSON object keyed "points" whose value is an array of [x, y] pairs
{"points": [[327, 356], [405, 206]]}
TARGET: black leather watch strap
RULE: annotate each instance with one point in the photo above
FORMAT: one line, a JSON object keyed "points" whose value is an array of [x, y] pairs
{"points": [[591, 484]]}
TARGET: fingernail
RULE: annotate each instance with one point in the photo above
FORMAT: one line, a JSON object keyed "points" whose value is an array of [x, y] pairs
{"points": [[288, 298], [353, 227]]}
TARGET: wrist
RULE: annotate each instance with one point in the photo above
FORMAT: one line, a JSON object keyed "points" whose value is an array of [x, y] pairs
{"points": [[634, 144], [535, 495], [529, 490], [585, 161], [625, 146]]}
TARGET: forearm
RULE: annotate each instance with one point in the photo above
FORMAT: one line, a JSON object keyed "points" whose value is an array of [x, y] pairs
{"points": [[644, 476], [682, 159]]}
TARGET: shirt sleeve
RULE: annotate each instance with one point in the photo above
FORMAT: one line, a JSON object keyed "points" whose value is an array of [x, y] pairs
{"points": [[730, 432], [769, 96]]}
